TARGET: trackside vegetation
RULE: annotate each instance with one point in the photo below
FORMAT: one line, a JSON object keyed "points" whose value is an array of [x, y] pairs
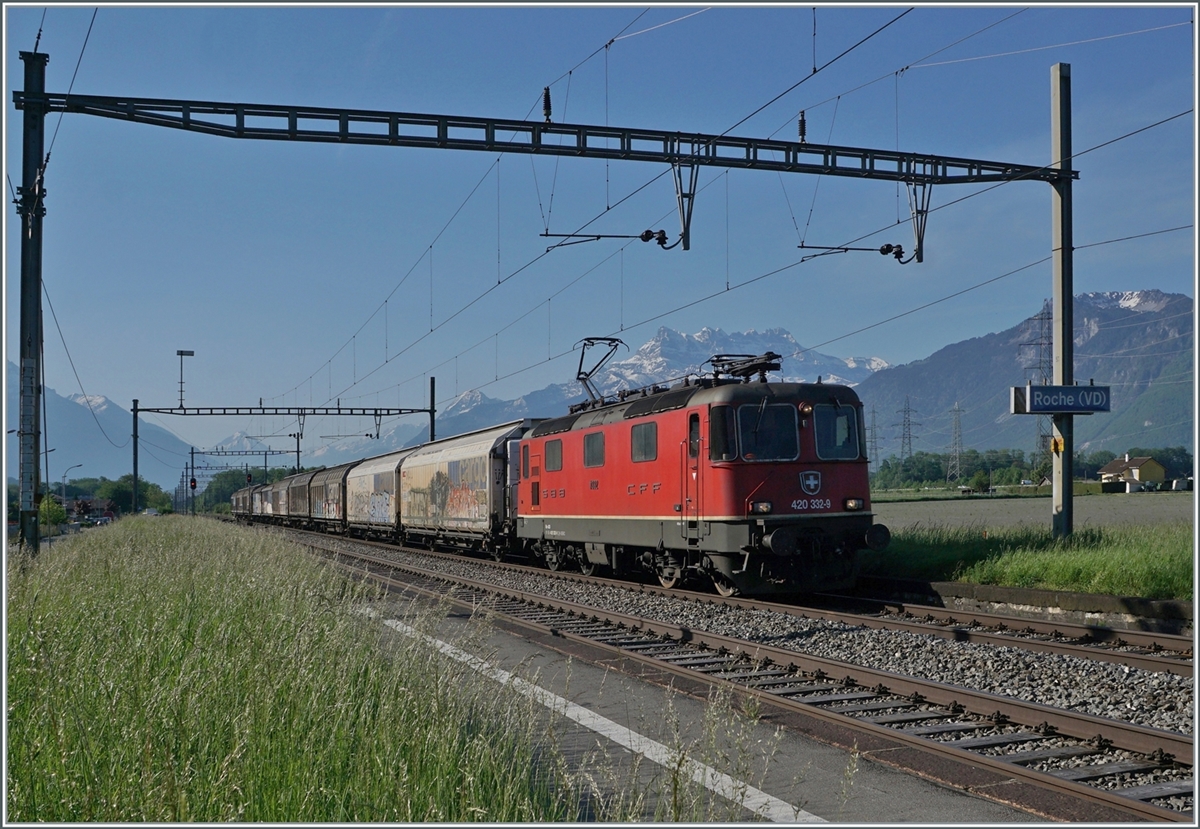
{"points": [[166, 669], [175, 669], [1146, 561]]}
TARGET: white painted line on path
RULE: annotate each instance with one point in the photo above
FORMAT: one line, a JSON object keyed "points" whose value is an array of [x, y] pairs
{"points": [[753, 799]]}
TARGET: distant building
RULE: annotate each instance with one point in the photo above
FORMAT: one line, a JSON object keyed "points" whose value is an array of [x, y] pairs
{"points": [[1142, 470]]}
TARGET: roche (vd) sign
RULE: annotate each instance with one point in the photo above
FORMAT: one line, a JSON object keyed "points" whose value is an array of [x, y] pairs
{"points": [[1060, 399]]}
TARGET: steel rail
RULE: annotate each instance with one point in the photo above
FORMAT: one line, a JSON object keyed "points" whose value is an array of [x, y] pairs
{"points": [[958, 633], [1082, 726], [961, 628], [1074, 789]]}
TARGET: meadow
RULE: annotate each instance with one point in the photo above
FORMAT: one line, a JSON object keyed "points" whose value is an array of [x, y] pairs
{"points": [[1120, 546], [175, 669]]}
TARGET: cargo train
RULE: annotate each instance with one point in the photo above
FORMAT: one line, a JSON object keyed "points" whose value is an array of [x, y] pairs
{"points": [[754, 487]]}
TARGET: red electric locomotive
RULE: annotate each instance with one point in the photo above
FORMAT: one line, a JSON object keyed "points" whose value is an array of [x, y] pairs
{"points": [[757, 487]]}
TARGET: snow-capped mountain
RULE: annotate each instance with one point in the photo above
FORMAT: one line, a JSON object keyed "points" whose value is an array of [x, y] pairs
{"points": [[671, 354], [1139, 343], [96, 432], [1140, 301]]}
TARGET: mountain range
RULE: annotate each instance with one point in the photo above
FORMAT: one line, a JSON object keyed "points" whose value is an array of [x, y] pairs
{"points": [[95, 432], [1138, 343]]}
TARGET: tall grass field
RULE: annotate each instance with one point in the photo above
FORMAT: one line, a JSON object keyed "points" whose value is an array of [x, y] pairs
{"points": [[175, 669], [1146, 561], [169, 669]]}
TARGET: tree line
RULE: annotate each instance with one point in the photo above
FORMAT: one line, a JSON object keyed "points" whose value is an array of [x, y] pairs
{"points": [[105, 494], [1009, 467]]}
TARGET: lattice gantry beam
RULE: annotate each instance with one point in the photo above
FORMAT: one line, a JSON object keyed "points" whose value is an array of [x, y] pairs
{"points": [[406, 129]]}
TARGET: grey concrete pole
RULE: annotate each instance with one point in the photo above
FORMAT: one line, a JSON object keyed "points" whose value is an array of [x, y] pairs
{"points": [[31, 207], [1062, 243]]}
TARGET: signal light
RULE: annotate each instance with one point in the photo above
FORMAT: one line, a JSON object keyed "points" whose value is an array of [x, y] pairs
{"points": [[249, 477], [192, 483]]}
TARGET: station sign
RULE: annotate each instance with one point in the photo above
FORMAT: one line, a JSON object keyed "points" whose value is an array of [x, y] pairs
{"points": [[1060, 399]]}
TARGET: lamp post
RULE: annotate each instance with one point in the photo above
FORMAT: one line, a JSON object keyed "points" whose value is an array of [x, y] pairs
{"points": [[64, 483], [182, 354]]}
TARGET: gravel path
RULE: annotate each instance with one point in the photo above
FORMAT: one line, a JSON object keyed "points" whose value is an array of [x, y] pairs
{"points": [[1164, 701]]}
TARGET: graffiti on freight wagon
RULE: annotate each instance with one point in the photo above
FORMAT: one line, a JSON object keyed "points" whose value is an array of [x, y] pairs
{"points": [[446, 493]]}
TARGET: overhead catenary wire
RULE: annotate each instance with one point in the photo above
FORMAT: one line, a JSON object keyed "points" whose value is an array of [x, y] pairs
{"points": [[86, 398], [496, 163], [655, 178], [816, 70], [943, 299], [935, 302], [876, 232], [657, 317], [70, 86], [1051, 46], [646, 184]]}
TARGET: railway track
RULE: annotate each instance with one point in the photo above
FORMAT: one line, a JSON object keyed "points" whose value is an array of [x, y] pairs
{"points": [[1145, 650], [1109, 770]]}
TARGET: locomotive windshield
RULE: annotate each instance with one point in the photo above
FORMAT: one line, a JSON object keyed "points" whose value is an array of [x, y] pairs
{"points": [[837, 432], [768, 432]]}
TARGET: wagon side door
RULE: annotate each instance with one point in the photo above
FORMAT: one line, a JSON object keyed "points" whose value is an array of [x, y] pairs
{"points": [[531, 475]]}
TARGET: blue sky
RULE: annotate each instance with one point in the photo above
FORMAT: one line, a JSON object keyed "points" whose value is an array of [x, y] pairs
{"points": [[273, 261]]}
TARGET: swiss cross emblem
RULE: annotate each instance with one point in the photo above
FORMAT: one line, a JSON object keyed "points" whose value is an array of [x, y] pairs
{"points": [[810, 482]]}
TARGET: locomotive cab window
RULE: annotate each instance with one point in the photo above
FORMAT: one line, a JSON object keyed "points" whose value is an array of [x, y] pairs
{"points": [[836, 429], [553, 455], [722, 434], [593, 449], [643, 442], [767, 432], [694, 435], [525, 461]]}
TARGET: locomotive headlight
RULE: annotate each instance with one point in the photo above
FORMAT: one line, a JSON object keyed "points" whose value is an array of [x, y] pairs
{"points": [[760, 507], [854, 504]]}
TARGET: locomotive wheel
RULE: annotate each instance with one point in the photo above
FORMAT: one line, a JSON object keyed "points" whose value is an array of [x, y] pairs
{"points": [[669, 582], [588, 568], [551, 554], [725, 588]]}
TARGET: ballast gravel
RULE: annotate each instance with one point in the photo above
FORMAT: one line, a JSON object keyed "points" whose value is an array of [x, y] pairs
{"points": [[1118, 692]]}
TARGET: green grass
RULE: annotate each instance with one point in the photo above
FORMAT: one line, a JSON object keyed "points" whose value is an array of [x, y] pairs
{"points": [[175, 669], [170, 669], [1153, 562]]}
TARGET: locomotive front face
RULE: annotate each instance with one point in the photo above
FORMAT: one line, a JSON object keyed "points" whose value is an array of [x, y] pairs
{"points": [[787, 485]]}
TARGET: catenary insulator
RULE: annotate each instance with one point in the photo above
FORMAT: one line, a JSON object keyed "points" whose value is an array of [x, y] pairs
{"points": [[546, 103], [803, 127]]}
